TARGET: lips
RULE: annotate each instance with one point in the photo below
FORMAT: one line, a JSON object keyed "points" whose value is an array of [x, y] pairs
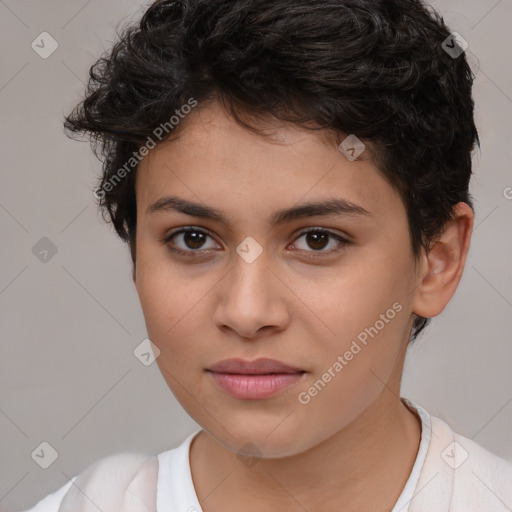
{"points": [[254, 380], [261, 366]]}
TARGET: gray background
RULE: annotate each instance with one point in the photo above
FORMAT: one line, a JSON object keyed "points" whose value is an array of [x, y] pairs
{"points": [[69, 326]]}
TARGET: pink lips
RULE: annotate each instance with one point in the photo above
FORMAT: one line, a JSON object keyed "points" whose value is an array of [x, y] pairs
{"points": [[254, 380]]}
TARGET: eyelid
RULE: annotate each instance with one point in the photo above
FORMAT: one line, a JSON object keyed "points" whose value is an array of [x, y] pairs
{"points": [[184, 229], [343, 242], [328, 231]]}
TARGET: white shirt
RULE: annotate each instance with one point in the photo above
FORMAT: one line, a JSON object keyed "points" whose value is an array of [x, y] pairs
{"points": [[450, 474]]}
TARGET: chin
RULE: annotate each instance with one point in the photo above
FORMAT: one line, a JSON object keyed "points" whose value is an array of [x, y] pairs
{"points": [[261, 441]]}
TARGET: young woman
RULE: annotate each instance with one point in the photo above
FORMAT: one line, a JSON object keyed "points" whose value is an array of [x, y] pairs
{"points": [[292, 181]]}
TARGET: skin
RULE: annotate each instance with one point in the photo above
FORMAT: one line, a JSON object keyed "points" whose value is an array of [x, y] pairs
{"points": [[324, 455]]}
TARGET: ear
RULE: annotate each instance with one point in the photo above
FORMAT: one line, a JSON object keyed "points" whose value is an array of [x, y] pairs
{"points": [[442, 266]]}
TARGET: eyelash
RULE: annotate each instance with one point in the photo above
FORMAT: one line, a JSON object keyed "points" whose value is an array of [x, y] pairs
{"points": [[191, 253]]}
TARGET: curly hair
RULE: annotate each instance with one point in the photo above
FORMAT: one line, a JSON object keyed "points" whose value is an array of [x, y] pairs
{"points": [[373, 68]]}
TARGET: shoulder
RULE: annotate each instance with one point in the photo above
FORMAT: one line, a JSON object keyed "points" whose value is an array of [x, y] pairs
{"points": [[459, 475], [480, 478], [125, 482]]}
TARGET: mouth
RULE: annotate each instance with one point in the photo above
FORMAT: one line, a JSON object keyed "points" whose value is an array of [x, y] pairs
{"points": [[254, 380]]}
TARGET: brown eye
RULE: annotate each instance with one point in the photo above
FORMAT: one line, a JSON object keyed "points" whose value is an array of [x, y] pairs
{"points": [[193, 239], [316, 240], [189, 240]]}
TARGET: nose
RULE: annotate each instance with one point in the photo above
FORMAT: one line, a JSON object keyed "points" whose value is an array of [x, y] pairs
{"points": [[251, 301]]}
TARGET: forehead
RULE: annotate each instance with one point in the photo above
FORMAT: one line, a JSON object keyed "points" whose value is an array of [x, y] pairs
{"points": [[216, 161]]}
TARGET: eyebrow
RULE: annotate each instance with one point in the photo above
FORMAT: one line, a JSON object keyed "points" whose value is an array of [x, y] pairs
{"points": [[328, 207]]}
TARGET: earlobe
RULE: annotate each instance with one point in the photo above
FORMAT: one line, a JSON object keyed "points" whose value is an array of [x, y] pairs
{"points": [[443, 264]]}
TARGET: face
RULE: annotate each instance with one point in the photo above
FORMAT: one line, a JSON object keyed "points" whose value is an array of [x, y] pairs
{"points": [[326, 292]]}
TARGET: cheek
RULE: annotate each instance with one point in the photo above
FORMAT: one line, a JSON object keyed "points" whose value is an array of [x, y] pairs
{"points": [[161, 294], [362, 316], [173, 305], [354, 296], [353, 364]]}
